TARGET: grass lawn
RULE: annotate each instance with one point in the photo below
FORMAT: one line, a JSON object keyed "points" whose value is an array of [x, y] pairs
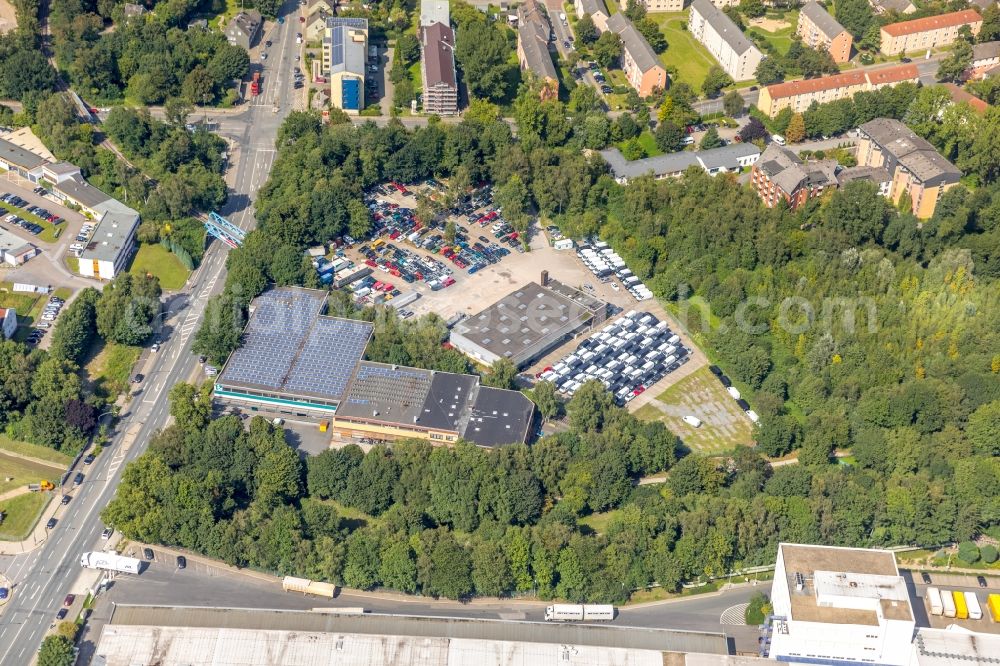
{"points": [[724, 425], [648, 143], [110, 368], [416, 77], [34, 450], [684, 53], [780, 39], [20, 515], [21, 472], [599, 522], [28, 306], [161, 262]]}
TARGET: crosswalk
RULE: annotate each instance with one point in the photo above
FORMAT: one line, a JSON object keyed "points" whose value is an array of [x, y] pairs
{"points": [[735, 615]]}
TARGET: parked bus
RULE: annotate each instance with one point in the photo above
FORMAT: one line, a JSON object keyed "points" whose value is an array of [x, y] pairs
{"points": [[961, 609]]}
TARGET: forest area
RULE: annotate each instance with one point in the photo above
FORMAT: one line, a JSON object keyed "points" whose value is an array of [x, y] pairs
{"points": [[912, 387]]}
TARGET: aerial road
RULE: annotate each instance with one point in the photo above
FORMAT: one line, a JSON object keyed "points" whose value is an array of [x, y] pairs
{"points": [[43, 576]]}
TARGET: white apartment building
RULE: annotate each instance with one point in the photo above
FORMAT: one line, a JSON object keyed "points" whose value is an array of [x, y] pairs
{"points": [[839, 606], [736, 54]]}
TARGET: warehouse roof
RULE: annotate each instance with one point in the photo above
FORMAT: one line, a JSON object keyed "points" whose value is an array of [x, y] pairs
{"points": [[80, 191], [14, 154], [821, 18], [723, 25], [12, 243], [634, 42], [949, 20], [499, 417]]}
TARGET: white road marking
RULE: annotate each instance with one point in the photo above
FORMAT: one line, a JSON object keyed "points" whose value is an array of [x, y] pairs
{"points": [[734, 615]]}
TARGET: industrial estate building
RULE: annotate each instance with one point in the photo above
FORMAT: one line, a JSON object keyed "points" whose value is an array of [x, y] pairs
{"points": [[838, 606], [296, 361], [639, 61], [728, 45], [598, 12], [14, 250], [799, 95], [113, 242], [917, 169], [726, 159], [779, 175], [533, 30], [345, 46], [437, 67], [527, 323], [821, 31], [928, 32]]}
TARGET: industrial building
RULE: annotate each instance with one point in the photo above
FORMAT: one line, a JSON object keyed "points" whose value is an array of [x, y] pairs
{"points": [[838, 606], [527, 323], [736, 54], [297, 362], [345, 50], [14, 250], [113, 243], [917, 169]]}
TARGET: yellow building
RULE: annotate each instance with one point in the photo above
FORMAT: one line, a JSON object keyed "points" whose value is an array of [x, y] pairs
{"points": [[929, 32], [798, 95], [917, 169], [821, 31]]}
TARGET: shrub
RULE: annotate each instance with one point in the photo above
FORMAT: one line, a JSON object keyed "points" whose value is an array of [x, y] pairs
{"points": [[989, 554], [968, 552], [759, 608]]}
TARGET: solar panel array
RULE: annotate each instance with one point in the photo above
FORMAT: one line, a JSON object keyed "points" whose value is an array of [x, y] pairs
{"points": [[328, 357], [379, 384], [279, 324], [337, 45]]}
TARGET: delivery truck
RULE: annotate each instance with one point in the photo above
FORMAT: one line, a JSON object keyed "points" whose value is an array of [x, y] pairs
{"points": [[961, 610], [110, 562], [948, 603], [972, 603], [934, 601], [580, 613], [306, 586]]}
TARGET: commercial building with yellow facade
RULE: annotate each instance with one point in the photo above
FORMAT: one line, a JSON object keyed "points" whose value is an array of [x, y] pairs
{"points": [[917, 169], [799, 95], [343, 62], [928, 32]]}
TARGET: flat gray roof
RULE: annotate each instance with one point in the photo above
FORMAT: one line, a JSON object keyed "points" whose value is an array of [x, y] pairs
{"points": [[113, 233], [723, 25], [14, 154], [671, 163], [12, 243], [499, 417], [608, 636]]}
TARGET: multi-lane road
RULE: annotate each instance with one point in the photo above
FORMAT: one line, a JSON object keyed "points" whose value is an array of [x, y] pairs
{"points": [[43, 576]]}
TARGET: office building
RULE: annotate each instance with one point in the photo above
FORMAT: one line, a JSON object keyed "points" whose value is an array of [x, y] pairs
{"points": [[800, 95], [736, 54], [839, 606], [345, 47], [929, 32], [297, 362], [639, 61], [598, 12], [726, 159], [917, 169], [821, 31], [437, 67], [111, 247], [533, 30], [527, 323], [780, 175]]}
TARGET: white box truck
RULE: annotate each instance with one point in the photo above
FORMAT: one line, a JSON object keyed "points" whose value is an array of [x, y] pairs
{"points": [[733, 391], [580, 613], [972, 602], [110, 562], [948, 603], [934, 601]]}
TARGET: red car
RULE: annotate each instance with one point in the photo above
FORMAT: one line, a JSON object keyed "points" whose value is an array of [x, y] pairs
{"points": [[370, 262], [638, 390], [387, 287], [68, 601]]}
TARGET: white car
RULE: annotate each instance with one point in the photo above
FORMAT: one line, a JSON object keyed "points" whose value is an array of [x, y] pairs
{"points": [[693, 421]]}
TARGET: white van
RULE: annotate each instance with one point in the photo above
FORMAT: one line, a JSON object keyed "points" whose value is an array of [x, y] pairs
{"points": [[778, 139], [693, 421]]}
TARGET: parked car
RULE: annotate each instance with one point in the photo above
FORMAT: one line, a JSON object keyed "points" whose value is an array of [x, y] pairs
{"points": [[925, 577], [182, 562], [61, 614], [106, 534], [89, 459], [68, 601], [78, 479], [982, 581], [147, 553], [52, 523]]}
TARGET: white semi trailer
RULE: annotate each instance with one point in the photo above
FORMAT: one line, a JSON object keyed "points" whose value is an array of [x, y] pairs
{"points": [[110, 562], [580, 613]]}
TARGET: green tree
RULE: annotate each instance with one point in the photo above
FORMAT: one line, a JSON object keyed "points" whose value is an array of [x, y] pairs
{"points": [[127, 307], [855, 15], [968, 552], [221, 328], [650, 29], [502, 375], [752, 8], [711, 139], [959, 60], [715, 80], [983, 429], [733, 104], [56, 650], [369, 485], [587, 408], [546, 400], [512, 197], [491, 569], [607, 49], [770, 70], [635, 10], [361, 569], [191, 405], [451, 573], [483, 53], [989, 553], [669, 137], [586, 31], [408, 47]]}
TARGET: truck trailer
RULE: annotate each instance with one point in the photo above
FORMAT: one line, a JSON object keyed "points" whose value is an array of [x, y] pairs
{"points": [[580, 613], [961, 609], [993, 604], [948, 603], [972, 603], [111, 562], [934, 601]]}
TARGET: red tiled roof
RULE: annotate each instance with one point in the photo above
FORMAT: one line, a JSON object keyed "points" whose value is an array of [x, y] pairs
{"points": [[878, 77], [959, 95], [932, 23]]}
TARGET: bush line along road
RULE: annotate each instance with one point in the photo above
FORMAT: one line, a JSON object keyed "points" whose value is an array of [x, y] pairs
{"points": [[43, 577]]}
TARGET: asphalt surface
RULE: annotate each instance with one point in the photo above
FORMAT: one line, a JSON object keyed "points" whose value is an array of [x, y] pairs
{"points": [[43, 577]]}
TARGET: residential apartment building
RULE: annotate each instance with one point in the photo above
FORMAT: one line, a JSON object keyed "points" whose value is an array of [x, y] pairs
{"points": [[726, 159], [728, 45], [879, 176], [598, 12], [345, 47], [929, 32], [917, 169], [434, 11], [533, 30], [657, 5], [780, 175], [8, 322], [898, 6], [819, 30], [437, 66], [640, 63], [839, 606], [985, 59], [244, 29], [798, 95], [962, 96]]}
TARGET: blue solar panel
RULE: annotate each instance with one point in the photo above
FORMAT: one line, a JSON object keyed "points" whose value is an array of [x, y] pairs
{"points": [[330, 353], [337, 46]]}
